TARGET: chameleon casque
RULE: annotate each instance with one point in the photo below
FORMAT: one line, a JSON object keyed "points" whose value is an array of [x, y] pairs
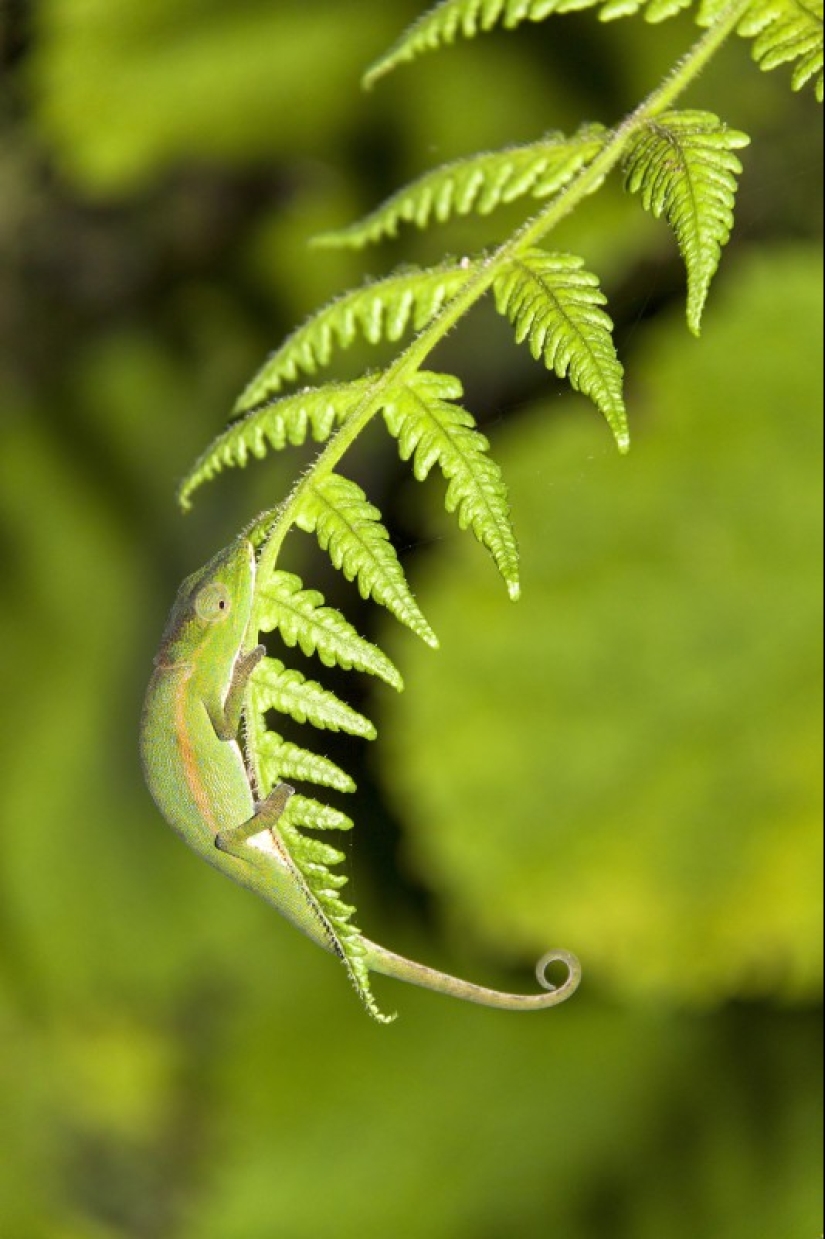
{"points": [[196, 773]]}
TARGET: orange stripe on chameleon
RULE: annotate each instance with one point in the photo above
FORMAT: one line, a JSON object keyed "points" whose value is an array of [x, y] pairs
{"points": [[188, 759]]}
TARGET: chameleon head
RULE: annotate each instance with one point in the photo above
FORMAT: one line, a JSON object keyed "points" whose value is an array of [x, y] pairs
{"points": [[213, 607]]}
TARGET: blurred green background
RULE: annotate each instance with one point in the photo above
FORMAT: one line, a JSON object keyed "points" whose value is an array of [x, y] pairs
{"points": [[631, 764]]}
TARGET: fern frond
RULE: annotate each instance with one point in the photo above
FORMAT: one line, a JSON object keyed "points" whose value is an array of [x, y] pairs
{"points": [[454, 19], [314, 411], [786, 31], [312, 860], [682, 164], [281, 761], [272, 686], [348, 529], [556, 307], [302, 619], [381, 310], [479, 183], [431, 429]]}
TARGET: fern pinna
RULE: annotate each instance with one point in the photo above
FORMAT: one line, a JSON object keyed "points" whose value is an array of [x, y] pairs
{"points": [[682, 165]]}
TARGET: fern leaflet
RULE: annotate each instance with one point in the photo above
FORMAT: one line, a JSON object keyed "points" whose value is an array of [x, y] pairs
{"points": [[381, 310], [784, 31], [478, 183], [315, 411], [453, 19], [348, 529], [276, 687], [302, 619], [683, 166], [430, 428], [312, 815], [281, 761], [556, 307], [653, 11]]}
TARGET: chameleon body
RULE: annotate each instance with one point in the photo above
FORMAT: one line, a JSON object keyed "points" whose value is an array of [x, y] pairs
{"points": [[196, 773]]}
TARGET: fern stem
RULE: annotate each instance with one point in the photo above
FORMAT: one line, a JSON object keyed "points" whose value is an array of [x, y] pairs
{"points": [[586, 182]]}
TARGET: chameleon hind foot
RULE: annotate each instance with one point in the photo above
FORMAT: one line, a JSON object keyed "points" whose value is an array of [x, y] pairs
{"points": [[265, 817]]}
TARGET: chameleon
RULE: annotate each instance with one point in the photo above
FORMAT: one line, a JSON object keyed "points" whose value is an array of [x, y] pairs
{"points": [[195, 770]]}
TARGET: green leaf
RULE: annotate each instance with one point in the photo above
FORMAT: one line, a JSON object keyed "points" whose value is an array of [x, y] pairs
{"points": [[272, 686], [556, 307], [381, 310], [453, 19], [654, 11], [786, 31], [477, 184], [301, 619], [431, 429], [348, 529], [683, 166], [314, 411], [280, 761], [303, 811]]}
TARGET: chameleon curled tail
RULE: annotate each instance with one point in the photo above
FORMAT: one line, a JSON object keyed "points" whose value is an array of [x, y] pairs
{"points": [[379, 959]]}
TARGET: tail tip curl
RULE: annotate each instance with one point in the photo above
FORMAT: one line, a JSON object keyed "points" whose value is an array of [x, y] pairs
{"points": [[574, 973]]}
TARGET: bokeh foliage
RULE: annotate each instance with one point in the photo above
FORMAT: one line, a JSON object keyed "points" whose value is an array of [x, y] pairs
{"points": [[178, 1063]]}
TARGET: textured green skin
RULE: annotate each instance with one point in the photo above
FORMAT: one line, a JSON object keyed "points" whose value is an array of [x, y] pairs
{"points": [[196, 774]]}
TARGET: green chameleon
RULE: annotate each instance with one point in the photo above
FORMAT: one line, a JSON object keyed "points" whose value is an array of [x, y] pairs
{"points": [[196, 772]]}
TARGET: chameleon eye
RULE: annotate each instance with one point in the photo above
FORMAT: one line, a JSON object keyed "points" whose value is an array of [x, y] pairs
{"points": [[213, 602]]}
